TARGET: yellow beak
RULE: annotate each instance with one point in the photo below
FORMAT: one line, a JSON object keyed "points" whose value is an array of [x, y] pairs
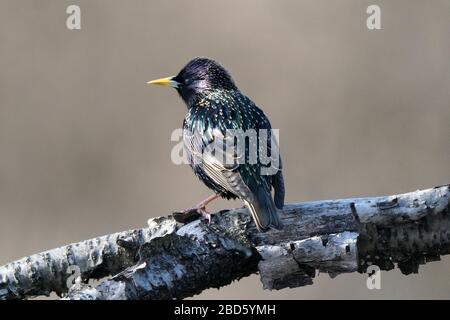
{"points": [[165, 82]]}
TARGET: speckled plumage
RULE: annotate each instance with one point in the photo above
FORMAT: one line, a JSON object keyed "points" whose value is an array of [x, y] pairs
{"points": [[216, 105]]}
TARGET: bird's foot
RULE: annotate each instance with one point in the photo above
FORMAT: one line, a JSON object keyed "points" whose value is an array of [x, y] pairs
{"points": [[205, 214], [200, 209], [191, 214]]}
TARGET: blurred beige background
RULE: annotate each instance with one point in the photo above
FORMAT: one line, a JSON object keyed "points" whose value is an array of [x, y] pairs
{"points": [[85, 143]]}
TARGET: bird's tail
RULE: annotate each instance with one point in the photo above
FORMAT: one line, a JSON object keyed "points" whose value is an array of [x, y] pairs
{"points": [[263, 210]]}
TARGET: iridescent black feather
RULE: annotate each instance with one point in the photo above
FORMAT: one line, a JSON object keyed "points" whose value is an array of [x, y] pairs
{"points": [[216, 105]]}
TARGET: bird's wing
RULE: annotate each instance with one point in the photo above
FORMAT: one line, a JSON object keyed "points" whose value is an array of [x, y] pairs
{"points": [[259, 177], [250, 181], [278, 187], [208, 158]]}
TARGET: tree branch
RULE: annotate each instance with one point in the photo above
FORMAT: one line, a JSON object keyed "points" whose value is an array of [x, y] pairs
{"points": [[167, 260]]}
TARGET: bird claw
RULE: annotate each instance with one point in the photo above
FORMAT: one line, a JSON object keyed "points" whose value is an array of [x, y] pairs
{"points": [[202, 212], [191, 214], [205, 214]]}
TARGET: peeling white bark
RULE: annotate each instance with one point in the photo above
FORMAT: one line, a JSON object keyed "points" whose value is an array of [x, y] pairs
{"points": [[45, 272], [385, 211], [279, 262], [168, 260]]}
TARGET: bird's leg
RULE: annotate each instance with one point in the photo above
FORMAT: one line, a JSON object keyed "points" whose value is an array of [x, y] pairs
{"points": [[208, 200], [201, 207]]}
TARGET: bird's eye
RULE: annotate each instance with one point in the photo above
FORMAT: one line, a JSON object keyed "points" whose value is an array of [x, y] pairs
{"points": [[188, 81]]}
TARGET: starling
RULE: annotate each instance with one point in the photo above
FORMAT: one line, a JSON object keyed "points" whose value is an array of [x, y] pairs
{"points": [[215, 107]]}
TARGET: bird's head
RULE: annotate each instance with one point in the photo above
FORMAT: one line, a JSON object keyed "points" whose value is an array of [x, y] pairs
{"points": [[198, 77]]}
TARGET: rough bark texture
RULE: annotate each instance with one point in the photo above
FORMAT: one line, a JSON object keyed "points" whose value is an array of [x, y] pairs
{"points": [[168, 260], [48, 271]]}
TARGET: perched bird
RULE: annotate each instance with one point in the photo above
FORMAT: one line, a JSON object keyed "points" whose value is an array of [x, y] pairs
{"points": [[216, 106]]}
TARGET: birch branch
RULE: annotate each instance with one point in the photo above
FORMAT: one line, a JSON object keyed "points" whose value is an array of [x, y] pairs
{"points": [[169, 260]]}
